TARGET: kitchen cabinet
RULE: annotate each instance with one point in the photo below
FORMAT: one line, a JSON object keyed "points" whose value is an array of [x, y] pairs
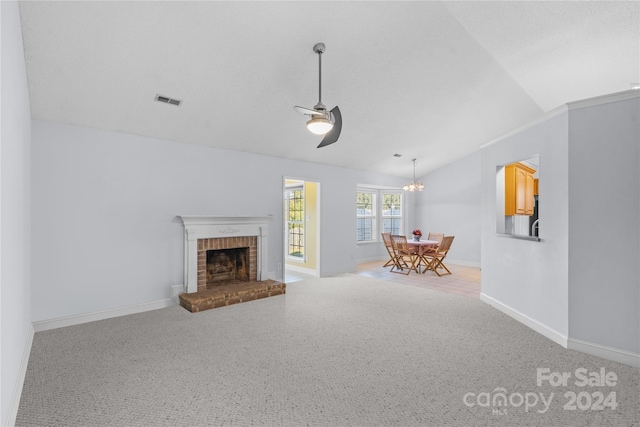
{"points": [[519, 187]]}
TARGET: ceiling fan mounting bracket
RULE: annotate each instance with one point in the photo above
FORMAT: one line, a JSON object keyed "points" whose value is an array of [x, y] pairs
{"points": [[319, 48], [320, 107]]}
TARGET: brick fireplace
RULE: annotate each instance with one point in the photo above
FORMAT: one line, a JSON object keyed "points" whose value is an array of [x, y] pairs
{"points": [[204, 234], [227, 259]]}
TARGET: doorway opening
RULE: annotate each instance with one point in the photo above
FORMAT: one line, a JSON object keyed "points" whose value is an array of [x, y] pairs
{"points": [[301, 228]]}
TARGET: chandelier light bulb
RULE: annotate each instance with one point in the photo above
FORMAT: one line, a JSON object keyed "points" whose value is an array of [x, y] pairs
{"points": [[415, 184]]}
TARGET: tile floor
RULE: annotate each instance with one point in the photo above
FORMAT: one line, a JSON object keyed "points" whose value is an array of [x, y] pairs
{"points": [[463, 280]]}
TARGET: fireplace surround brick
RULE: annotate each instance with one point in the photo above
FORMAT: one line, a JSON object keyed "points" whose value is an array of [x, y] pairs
{"points": [[219, 243]]}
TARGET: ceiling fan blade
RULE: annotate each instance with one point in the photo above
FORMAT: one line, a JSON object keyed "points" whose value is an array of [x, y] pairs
{"points": [[334, 133], [306, 111]]}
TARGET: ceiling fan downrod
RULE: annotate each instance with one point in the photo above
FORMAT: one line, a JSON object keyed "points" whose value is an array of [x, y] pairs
{"points": [[322, 122], [319, 48]]}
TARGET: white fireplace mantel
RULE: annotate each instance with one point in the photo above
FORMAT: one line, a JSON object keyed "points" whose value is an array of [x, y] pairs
{"points": [[211, 227]]}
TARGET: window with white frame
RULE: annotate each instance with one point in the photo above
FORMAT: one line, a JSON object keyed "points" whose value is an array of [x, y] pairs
{"points": [[366, 215], [294, 214], [391, 212], [377, 211]]}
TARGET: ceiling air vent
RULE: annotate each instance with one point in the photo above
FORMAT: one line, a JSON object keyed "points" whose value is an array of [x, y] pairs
{"points": [[168, 100]]}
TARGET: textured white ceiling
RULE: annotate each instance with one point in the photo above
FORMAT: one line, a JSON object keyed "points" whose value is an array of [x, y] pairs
{"points": [[559, 51], [430, 80]]}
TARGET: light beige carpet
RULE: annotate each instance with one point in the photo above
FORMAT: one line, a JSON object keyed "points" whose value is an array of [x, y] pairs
{"points": [[341, 351]]}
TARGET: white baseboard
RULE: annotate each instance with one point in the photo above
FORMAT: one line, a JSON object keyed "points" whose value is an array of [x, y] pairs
{"points": [[463, 263], [22, 374], [176, 290], [373, 259], [609, 353], [544, 330], [302, 270], [45, 325], [598, 350]]}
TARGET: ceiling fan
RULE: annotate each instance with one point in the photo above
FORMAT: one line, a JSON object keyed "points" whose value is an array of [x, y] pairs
{"points": [[322, 122]]}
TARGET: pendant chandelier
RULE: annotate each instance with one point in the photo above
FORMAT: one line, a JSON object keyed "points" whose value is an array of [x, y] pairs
{"points": [[415, 184]]}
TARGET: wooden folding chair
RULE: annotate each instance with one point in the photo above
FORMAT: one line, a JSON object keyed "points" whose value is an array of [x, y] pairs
{"points": [[386, 238], [406, 256], [436, 236], [436, 257]]}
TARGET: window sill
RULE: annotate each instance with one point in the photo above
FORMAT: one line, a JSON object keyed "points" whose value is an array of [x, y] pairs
{"points": [[519, 237]]}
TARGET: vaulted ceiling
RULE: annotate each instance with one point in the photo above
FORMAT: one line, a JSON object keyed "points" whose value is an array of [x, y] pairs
{"points": [[427, 80]]}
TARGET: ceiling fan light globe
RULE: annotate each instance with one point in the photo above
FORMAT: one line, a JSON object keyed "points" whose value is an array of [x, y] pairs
{"points": [[319, 125]]}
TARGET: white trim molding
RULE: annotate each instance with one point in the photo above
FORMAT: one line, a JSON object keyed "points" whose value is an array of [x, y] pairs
{"points": [[604, 99], [176, 290], [609, 353], [61, 322], [583, 103], [380, 258], [540, 328], [211, 227], [303, 270], [547, 116], [475, 264], [22, 374], [598, 350]]}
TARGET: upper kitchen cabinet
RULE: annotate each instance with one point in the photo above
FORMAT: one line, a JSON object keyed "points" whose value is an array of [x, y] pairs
{"points": [[519, 189]]}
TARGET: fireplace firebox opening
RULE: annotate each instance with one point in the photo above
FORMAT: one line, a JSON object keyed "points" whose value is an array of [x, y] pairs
{"points": [[224, 265]]}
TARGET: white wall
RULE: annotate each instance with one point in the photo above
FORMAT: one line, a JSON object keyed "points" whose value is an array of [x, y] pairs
{"points": [[580, 285], [15, 211], [450, 204], [105, 233], [530, 278], [604, 227]]}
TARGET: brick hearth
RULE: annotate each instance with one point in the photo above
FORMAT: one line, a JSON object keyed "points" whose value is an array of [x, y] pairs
{"points": [[231, 293]]}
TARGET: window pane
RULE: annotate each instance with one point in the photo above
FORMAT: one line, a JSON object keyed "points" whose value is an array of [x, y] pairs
{"points": [[366, 223], [296, 224], [391, 213], [364, 204], [296, 240], [391, 205], [391, 225], [364, 229], [378, 211]]}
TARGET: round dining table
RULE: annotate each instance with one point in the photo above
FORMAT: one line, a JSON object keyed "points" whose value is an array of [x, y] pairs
{"points": [[422, 245]]}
